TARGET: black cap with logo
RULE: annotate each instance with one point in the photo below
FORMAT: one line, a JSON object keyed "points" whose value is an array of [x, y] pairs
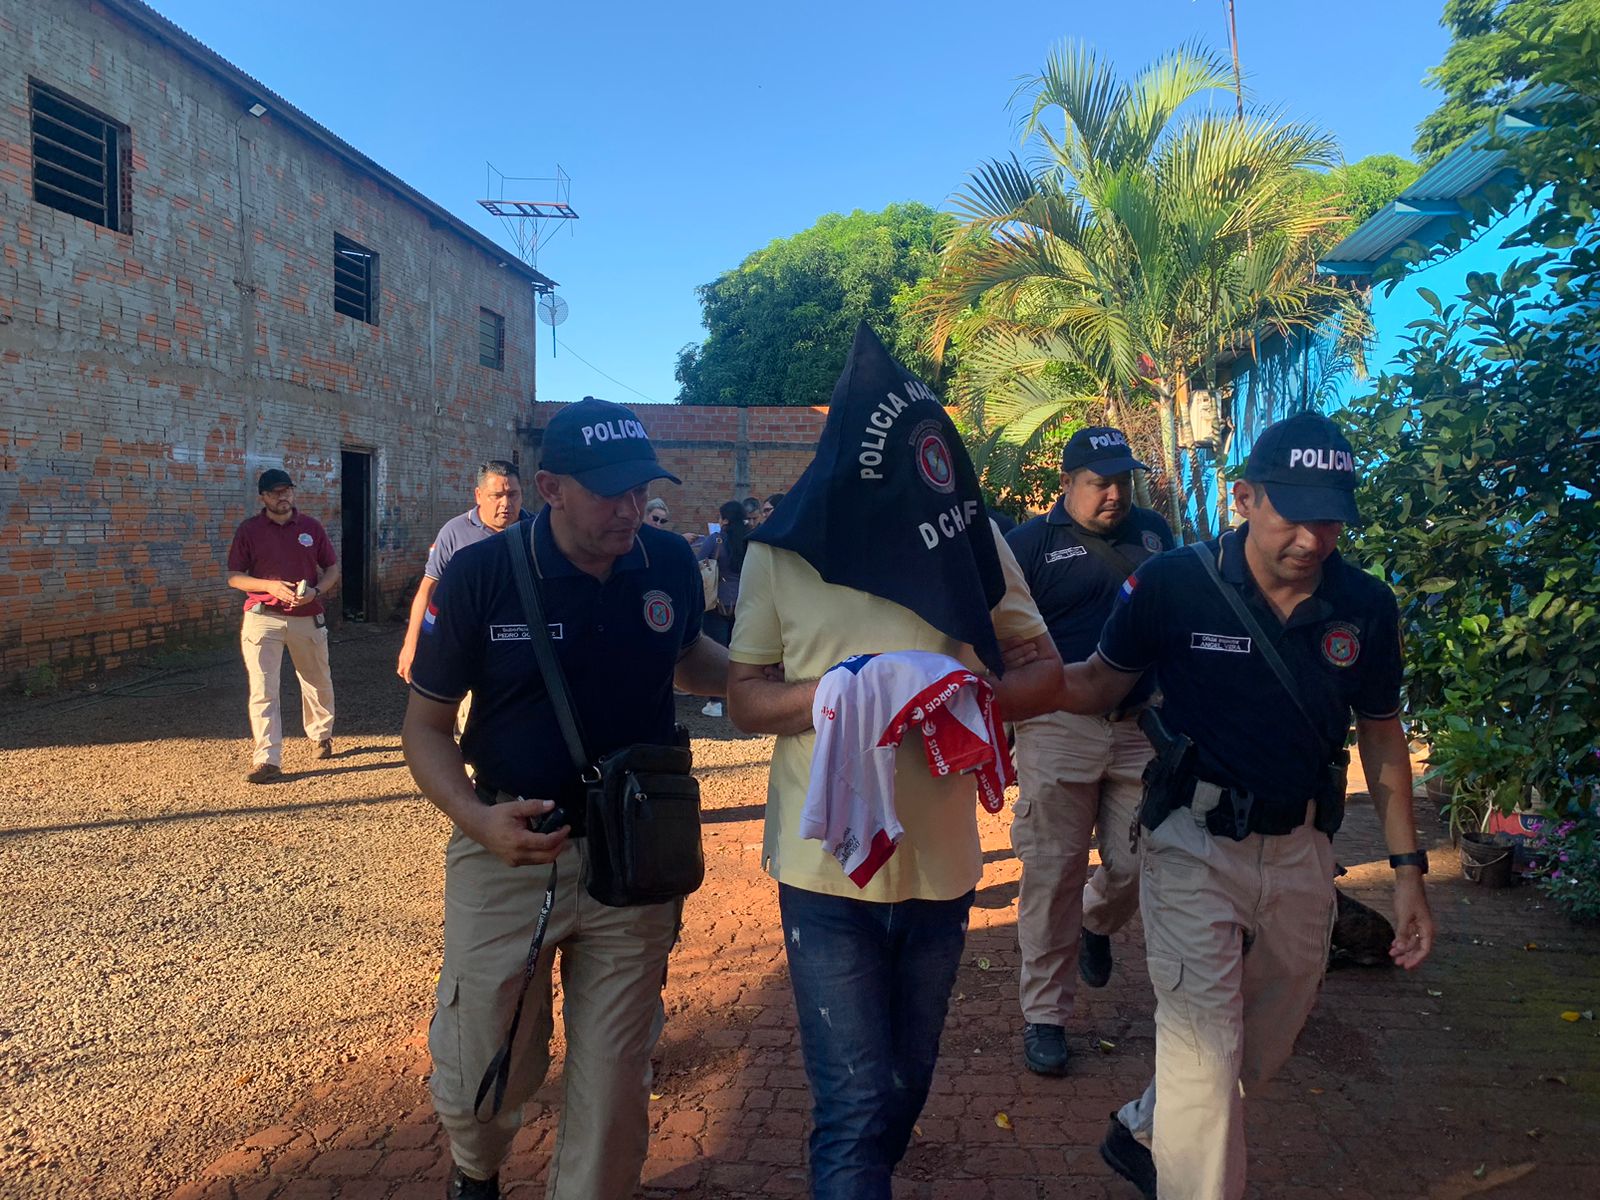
{"points": [[272, 480], [603, 446], [1102, 449], [1307, 467]]}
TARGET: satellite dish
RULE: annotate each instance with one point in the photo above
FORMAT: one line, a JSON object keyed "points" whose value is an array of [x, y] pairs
{"points": [[552, 311]]}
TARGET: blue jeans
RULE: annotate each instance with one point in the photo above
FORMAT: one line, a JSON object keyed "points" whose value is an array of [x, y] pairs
{"points": [[872, 985]]}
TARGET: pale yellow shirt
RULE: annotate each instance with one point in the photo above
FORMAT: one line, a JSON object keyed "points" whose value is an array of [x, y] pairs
{"points": [[788, 614]]}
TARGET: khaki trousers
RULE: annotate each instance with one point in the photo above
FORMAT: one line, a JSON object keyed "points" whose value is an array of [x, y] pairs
{"points": [[262, 639], [1237, 938], [613, 963], [1076, 775]]}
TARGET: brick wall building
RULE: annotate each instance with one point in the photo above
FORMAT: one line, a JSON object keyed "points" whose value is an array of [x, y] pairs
{"points": [[197, 281], [720, 453]]}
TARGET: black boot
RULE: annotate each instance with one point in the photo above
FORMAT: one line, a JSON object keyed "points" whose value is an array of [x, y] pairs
{"points": [[465, 1187], [1128, 1157], [1044, 1049], [1094, 959]]}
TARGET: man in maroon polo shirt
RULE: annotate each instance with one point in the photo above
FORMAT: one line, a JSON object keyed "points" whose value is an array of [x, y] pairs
{"points": [[283, 561]]}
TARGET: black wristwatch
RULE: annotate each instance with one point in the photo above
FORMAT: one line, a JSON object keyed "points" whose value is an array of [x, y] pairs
{"points": [[1415, 858]]}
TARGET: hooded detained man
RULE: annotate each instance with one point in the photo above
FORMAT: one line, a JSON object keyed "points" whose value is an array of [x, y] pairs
{"points": [[884, 545]]}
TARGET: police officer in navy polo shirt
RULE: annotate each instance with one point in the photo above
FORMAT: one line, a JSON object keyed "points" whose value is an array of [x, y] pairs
{"points": [[624, 602], [1079, 775], [497, 503], [1247, 791]]}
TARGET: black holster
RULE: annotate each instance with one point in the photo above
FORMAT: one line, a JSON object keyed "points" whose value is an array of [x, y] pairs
{"points": [[1330, 794], [1168, 777]]}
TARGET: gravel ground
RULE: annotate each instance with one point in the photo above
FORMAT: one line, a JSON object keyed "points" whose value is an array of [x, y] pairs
{"points": [[190, 956]]}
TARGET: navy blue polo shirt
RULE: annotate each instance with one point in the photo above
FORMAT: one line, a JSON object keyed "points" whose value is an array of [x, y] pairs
{"points": [[456, 533], [1075, 588], [1342, 645], [618, 643]]}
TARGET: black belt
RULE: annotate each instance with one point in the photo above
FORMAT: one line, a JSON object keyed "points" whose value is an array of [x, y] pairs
{"points": [[1239, 813], [490, 794]]}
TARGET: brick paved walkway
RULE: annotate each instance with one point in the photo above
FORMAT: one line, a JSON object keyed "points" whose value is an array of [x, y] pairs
{"points": [[1456, 1081]]}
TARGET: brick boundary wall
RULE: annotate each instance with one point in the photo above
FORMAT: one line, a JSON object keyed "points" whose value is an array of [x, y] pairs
{"points": [[720, 453]]}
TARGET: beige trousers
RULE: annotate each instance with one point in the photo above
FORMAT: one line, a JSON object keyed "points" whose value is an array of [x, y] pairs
{"points": [[613, 963], [262, 639], [1076, 776], [1237, 938]]}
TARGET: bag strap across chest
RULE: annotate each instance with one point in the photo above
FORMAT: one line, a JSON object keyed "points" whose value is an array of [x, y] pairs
{"points": [[544, 648]]}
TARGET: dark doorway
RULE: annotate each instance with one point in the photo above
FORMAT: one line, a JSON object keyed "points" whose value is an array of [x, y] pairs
{"points": [[355, 521]]}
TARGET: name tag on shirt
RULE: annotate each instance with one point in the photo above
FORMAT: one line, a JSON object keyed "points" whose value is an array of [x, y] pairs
{"points": [[519, 633], [1219, 641], [1064, 553]]}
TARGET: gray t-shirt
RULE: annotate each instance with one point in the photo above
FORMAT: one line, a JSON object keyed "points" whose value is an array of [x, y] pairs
{"points": [[458, 532]]}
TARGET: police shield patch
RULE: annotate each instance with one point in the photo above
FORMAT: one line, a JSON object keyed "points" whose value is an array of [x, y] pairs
{"points": [[1340, 644], [933, 458], [658, 611]]}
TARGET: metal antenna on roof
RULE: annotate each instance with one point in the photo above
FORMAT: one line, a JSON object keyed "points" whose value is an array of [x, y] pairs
{"points": [[552, 311], [529, 221]]}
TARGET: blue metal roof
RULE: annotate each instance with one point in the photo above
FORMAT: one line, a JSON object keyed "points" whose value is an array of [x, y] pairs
{"points": [[1437, 192]]}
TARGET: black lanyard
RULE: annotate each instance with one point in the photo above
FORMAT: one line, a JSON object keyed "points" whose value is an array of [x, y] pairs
{"points": [[499, 1072]]}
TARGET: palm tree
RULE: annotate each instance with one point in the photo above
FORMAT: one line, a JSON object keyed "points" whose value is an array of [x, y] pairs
{"points": [[1136, 246]]}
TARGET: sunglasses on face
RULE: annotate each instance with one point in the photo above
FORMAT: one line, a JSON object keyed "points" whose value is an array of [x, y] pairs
{"points": [[658, 518]]}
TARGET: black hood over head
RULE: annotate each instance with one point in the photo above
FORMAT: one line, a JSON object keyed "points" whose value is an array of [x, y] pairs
{"points": [[890, 505]]}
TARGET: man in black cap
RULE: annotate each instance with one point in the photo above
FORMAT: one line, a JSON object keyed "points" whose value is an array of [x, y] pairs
{"points": [[1265, 641], [623, 601], [1079, 774], [283, 561]]}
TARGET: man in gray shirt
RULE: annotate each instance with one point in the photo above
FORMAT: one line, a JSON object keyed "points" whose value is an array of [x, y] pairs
{"points": [[498, 504]]}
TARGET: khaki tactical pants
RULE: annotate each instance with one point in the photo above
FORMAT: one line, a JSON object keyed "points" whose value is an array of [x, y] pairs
{"points": [[262, 639], [613, 963], [1077, 775], [1237, 938]]}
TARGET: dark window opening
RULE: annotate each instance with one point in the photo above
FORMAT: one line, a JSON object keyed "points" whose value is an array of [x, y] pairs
{"points": [[81, 159], [491, 339], [355, 280], [356, 528]]}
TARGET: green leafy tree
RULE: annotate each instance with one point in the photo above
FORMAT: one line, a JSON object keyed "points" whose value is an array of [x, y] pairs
{"points": [[1359, 189], [779, 325], [1109, 275], [1492, 55], [1482, 502]]}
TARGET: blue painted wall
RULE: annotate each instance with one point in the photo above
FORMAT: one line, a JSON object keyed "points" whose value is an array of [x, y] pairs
{"points": [[1393, 311]]}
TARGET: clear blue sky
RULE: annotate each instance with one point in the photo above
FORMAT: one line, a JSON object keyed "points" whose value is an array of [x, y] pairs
{"points": [[695, 133]]}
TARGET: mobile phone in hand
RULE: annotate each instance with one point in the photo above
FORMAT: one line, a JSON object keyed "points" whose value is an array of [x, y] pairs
{"points": [[550, 822]]}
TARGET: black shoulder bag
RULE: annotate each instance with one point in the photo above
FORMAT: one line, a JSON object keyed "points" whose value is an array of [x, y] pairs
{"points": [[641, 803], [1330, 792]]}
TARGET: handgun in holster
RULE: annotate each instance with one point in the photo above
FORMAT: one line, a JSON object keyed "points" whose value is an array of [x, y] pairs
{"points": [[1169, 776]]}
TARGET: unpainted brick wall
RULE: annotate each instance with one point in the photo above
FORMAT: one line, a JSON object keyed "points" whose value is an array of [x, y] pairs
{"points": [[148, 376], [720, 453]]}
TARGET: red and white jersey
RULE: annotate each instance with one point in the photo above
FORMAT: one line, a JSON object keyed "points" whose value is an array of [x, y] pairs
{"points": [[865, 707]]}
